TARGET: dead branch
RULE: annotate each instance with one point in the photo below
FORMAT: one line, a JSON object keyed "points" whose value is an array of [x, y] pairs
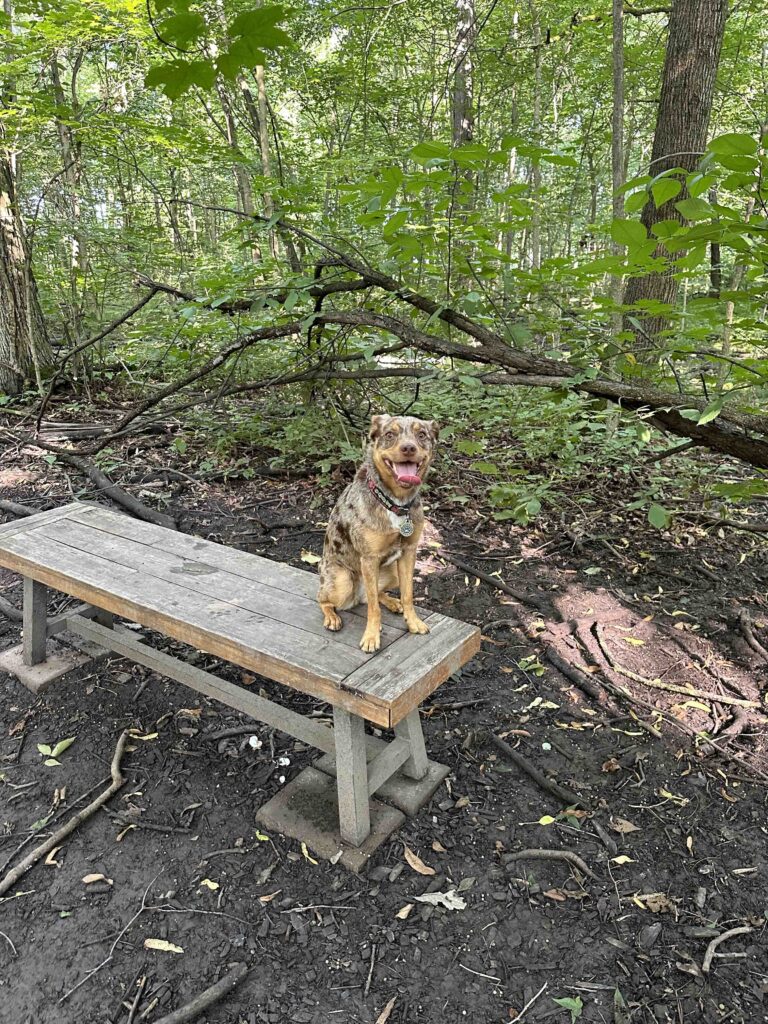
{"points": [[745, 625], [731, 933], [10, 611], [207, 997], [118, 780], [109, 488], [567, 855], [567, 797]]}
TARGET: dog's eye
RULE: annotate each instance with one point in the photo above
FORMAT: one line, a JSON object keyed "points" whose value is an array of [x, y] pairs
{"points": [[389, 437], [423, 436]]}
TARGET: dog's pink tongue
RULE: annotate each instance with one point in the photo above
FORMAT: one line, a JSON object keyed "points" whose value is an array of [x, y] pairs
{"points": [[406, 473]]}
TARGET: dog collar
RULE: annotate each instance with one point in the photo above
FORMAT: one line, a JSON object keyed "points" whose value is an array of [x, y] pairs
{"points": [[404, 511]]}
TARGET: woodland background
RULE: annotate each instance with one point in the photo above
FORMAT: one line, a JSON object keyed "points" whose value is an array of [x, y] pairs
{"points": [[258, 225]]}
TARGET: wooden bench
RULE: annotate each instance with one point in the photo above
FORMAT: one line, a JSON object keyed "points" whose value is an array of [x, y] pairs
{"points": [[263, 617]]}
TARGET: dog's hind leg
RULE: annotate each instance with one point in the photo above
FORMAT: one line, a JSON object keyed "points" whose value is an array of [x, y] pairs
{"points": [[388, 581], [337, 590]]}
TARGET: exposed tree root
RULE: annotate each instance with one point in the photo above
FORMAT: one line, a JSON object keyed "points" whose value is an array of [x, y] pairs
{"points": [[206, 998], [566, 796], [566, 855]]}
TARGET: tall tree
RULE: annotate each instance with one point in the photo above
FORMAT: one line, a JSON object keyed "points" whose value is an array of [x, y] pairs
{"points": [[696, 29], [24, 344]]}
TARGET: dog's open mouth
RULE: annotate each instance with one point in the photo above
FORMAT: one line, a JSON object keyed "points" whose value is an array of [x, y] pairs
{"points": [[406, 473]]}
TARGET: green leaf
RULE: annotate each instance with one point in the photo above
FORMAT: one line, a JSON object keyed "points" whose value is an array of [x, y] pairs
{"points": [[574, 1005], [182, 28], [664, 190], [44, 749], [733, 142], [260, 25], [469, 447], [695, 209], [636, 201], [628, 232], [426, 151], [488, 468], [61, 746], [51, 762], [658, 517], [712, 411], [176, 77]]}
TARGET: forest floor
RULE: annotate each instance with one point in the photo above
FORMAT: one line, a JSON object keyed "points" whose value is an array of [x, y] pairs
{"points": [[675, 832]]}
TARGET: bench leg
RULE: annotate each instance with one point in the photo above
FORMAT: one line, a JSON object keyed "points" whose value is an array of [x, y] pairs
{"points": [[409, 729], [34, 622], [104, 618], [351, 777]]}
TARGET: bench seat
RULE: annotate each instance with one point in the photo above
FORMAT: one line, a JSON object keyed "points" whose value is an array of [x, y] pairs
{"points": [[256, 613]]}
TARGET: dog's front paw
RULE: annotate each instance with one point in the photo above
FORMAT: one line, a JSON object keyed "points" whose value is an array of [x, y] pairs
{"points": [[415, 625], [332, 621], [371, 641]]}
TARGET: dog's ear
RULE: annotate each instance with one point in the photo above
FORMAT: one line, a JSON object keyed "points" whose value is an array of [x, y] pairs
{"points": [[434, 429], [377, 426]]}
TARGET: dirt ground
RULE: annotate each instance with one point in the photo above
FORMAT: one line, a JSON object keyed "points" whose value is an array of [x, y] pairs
{"points": [[673, 829]]}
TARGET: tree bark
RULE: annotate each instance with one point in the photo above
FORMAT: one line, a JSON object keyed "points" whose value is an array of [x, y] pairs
{"points": [[617, 143], [696, 29], [462, 116]]}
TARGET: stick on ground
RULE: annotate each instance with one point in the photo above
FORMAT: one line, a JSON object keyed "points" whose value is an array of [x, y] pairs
{"points": [[567, 797], [207, 997], [743, 930], [567, 855], [68, 827]]}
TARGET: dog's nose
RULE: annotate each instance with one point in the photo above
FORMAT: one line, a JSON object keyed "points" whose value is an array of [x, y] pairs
{"points": [[406, 448]]}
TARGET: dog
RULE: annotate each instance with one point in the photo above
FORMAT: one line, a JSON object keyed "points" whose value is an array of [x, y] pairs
{"points": [[375, 526]]}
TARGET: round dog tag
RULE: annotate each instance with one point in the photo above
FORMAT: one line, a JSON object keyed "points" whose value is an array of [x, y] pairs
{"points": [[406, 527]]}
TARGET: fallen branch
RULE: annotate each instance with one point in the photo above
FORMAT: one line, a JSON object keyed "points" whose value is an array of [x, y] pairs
{"points": [[118, 780], [566, 796], [567, 855], [708, 956], [745, 625], [207, 997], [15, 509], [109, 488], [10, 611]]}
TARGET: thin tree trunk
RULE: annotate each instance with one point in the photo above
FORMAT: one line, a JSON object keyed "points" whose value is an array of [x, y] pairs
{"points": [[536, 167], [462, 117], [696, 30], [617, 144], [24, 345]]}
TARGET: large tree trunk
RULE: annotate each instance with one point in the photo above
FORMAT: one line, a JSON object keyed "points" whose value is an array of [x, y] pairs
{"points": [[462, 117], [696, 30], [24, 346], [617, 143]]}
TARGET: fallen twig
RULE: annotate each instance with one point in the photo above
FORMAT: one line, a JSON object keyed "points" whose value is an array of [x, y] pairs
{"points": [[207, 997], [15, 509], [10, 611], [566, 796], [68, 827], [707, 962], [529, 1004], [14, 951], [568, 855], [745, 625]]}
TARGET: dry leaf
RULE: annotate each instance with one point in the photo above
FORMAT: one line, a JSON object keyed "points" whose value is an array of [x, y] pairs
{"points": [[556, 894], [622, 826], [417, 863], [656, 902], [611, 765], [404, 912], [305, 851], [213, 886], [634, 641], [448, 899], [386, 1012], [622, 859], [270, 897], [51, 861], [90, 879], [463, 801], [162, 945], [309, 556], [438, 847]]}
